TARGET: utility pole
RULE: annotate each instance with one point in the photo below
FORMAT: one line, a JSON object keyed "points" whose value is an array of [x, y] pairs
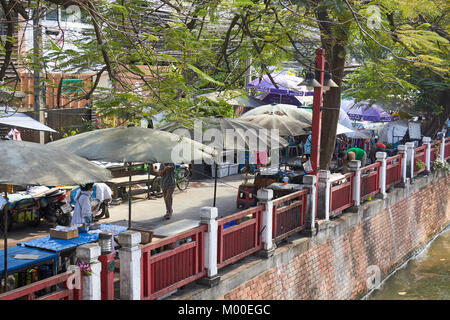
{"points": [[39, 103]]}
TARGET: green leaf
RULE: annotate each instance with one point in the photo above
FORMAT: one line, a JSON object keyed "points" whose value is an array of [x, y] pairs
{"points": [[54, 46], [204, 75]]}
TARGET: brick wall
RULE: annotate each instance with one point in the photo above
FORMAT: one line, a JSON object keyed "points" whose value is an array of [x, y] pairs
{"points": [[337, 267], [333, 263]]}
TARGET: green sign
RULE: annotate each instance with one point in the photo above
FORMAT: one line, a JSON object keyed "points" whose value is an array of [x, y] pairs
{"points": [[72, 85]]}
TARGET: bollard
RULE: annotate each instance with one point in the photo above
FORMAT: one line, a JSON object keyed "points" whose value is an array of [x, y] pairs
{"points": [[309, 182], [130, 265], [381, 157], [324, 185], [404, 164], [265, 197], [410, 150], [355, 166], [91, 286], [427, 142], [208, 216]]}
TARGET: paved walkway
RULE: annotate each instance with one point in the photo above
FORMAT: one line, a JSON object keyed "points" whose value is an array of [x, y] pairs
{"points": [[186, 204], [148, 214]]}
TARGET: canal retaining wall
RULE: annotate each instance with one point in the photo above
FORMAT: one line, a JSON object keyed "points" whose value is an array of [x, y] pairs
{"points": [[347, 255]]}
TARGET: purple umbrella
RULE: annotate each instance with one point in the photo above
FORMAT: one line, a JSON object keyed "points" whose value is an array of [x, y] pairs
{"points": [[282, 98], [287, 84], [363, 111]]}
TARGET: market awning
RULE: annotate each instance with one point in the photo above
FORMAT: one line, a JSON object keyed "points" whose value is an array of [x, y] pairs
{"points": [[9, 117]]}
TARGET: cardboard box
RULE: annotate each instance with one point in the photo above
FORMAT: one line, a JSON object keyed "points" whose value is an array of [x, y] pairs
{"points": [[146, 235], [59, 234]]}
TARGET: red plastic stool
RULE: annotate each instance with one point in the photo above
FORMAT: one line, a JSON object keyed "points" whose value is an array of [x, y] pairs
{"points": [[246, 197]]}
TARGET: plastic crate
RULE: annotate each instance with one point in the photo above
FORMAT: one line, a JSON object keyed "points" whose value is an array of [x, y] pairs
{"points": [[222, 170], [233, 168]]}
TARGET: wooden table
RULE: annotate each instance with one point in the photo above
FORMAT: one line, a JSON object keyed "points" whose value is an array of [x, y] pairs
{"points": [[119, 185]]}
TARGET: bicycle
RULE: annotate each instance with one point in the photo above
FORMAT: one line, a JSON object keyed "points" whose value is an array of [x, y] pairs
{"points": [[182, 178]]}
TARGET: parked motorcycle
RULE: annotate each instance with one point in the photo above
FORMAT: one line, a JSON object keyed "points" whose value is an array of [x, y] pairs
{"points": [[55, 208]]}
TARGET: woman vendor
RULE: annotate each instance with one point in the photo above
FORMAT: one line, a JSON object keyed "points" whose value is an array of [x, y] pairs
{"points": [[82, 212]]}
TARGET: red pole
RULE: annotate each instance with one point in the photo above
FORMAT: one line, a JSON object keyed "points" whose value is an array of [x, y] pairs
{"points": [[317, 120], [317, 112], [107, 276]]}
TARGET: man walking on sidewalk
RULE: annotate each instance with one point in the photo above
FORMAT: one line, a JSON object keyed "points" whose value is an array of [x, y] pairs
{"points": [[167, 174]]}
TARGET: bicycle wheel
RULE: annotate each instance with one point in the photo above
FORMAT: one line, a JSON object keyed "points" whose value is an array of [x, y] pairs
{"points": [[182, 179], [156, 187]]}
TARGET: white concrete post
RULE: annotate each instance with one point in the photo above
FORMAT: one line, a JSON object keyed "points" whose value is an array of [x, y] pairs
{"points": [[404, 164], [355, 166], [427, 142], [410, 150], [208, 216], [130, 265], [381, 157], [265, 197], [91, 284], [324, 185], [309, 181], [442, 151]]}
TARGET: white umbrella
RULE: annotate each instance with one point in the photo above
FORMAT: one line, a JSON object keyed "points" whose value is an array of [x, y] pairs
{"points": [[134, 144], [11, 117], [290, 110], [286, 126]]}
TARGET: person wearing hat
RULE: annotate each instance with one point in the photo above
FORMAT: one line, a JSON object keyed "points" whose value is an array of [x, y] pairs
{"points": [[82, 213], [378, 147]]}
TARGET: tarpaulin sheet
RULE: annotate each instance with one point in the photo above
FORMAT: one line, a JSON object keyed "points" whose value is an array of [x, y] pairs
{"points": [[57, 245]]}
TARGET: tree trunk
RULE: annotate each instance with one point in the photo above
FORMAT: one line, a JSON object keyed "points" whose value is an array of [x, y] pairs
{"points": [[333, 40], [335, 55], [438, 121]]}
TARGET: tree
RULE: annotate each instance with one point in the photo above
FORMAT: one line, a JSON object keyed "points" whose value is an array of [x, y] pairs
{"points": [[176, 50], [416, 78]]}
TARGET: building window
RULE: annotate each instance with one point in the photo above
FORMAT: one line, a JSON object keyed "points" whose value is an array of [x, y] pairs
{"points": [[52, 14]]}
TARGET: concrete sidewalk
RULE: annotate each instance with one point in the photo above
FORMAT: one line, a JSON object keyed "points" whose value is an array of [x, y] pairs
{"points": [[148, 214]]}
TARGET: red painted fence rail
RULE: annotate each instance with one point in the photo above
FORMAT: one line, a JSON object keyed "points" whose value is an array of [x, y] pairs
{"points": [[419, 155], [341, 193], [289, 214], [172, 262], [434, 150], [57, 284], [447, 148], [242, 239], [370, 180], [393, 170]]}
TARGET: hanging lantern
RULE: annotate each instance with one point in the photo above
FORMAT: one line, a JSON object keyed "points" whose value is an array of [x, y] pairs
{"points": [[328, 82], [310, 82]]}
